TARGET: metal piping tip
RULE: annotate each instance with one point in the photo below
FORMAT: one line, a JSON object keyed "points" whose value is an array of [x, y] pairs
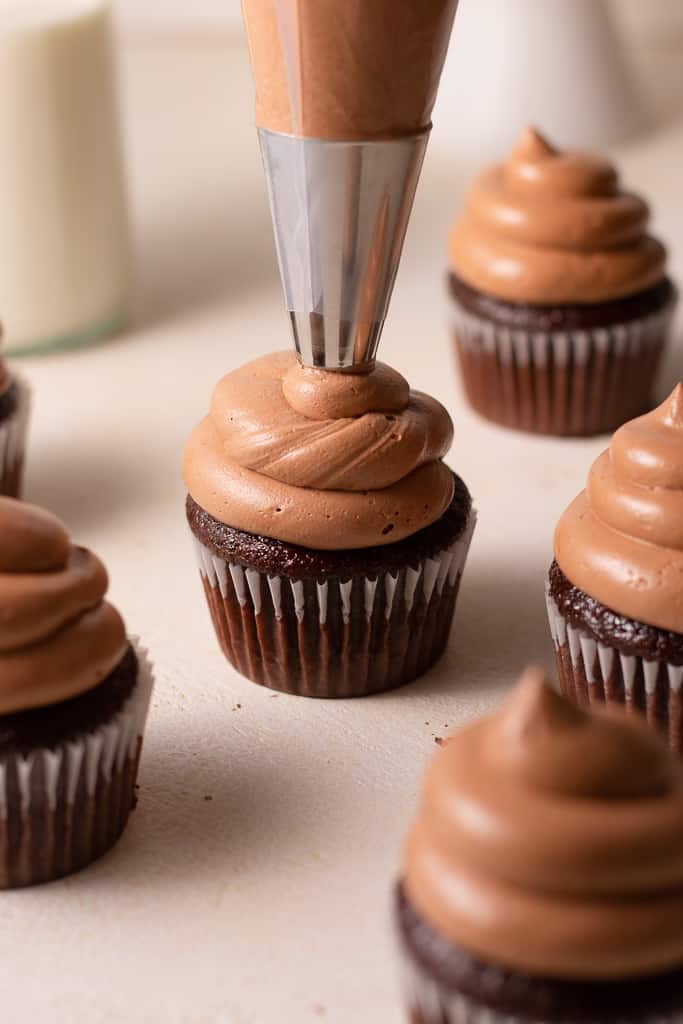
{"points": [[340, 212]]}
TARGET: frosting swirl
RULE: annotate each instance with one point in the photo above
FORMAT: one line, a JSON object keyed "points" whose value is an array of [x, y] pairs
{"points": [[549, 227], [621, 540], [565, 828], [58, 637], [322, 459]]}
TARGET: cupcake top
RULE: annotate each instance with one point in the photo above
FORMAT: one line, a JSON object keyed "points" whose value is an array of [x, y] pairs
{"points": [[550, 841], [322, 459], [621, 540], [58, 637], [549, 227]]}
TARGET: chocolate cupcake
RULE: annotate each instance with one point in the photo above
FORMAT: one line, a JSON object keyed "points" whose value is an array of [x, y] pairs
{"points": [[331, 536], [561, 303], [543, 877], [74, 693], [615, 588], [14, 416]]}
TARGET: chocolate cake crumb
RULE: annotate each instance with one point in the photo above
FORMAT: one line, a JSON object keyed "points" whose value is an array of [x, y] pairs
{"points": [[563, 317], [272, 556], [609, 627]]}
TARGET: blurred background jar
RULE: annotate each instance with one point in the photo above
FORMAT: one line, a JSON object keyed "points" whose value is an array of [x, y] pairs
{"points": [[64, 253], [558, 63]]}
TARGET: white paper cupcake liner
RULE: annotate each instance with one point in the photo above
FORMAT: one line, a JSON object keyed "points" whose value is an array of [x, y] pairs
{"points": [[62, 807], [591, 671], [332, 637], [567, 383], [427, 1002], [13, 436]]}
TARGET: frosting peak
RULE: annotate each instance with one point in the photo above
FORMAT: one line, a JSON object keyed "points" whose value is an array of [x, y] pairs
{"points": [[319, 458], [575, 755], [536, 164], [532, 146], [564, 827], [551, 227], [621, 540], [58, 637], [672, 409]]}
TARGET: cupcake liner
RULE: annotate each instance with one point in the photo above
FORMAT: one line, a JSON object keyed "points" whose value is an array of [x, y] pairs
{"points": [[593, 672], [566, 383], [428, 1002], [62, 807], [13, 434], [334, 637]]}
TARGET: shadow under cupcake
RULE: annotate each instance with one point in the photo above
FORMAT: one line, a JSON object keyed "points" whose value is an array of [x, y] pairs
{"points": [[331, 537], [560, 301]]}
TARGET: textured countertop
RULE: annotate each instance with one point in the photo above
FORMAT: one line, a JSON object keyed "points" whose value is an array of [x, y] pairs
{"points": [[252, 886]]}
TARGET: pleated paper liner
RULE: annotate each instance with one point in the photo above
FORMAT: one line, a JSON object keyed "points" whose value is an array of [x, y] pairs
{"points": [[13, 436], [427, 1002], [593, 672], [429, 969], [62, 808], [565, 383], [334, 637]]}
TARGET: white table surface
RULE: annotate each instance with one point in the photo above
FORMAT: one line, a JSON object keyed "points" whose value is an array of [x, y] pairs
{"points": [[252, 885]]}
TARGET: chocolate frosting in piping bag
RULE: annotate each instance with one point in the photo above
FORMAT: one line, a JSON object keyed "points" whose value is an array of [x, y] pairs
{"points": [[361, 69], [550, 841], [58, 637], [550, 227], [344, 96], [621, 540], [325, 460]]}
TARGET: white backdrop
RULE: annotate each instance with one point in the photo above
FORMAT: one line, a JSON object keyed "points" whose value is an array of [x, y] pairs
{"points": [[178, 13], [659, 18]]}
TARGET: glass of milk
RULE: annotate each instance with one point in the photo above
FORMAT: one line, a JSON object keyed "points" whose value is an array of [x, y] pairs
{"points": [[64, 259]]}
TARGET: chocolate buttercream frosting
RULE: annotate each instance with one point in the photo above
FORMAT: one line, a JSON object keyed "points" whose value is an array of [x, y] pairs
{"points": [[320, 459], [550, 841], [550, 226], [621, 540], [58, 637], [361, 69]]}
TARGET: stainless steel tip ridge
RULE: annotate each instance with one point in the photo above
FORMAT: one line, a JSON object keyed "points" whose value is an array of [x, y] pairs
{"points": [[340, 212]]}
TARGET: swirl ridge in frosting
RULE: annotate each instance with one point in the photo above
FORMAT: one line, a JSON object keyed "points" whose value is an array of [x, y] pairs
{"points": [[621, 540], [562, 827], [549, 227], [320, 459], [58, 636]]}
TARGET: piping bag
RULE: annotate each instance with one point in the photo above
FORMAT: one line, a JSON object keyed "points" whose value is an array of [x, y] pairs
{"points": [[344, 96]]}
